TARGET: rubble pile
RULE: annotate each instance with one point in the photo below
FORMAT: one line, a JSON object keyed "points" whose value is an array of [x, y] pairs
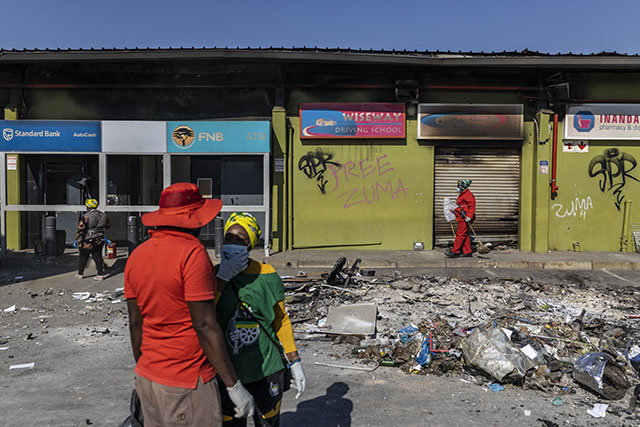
{"points": [[544, 336]]}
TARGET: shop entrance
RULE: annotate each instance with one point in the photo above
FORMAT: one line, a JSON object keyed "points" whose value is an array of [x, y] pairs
{"points": [[495, 172], [237, 180]]}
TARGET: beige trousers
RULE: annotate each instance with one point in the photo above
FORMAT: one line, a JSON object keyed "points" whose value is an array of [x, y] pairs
{"points": [[164, 406]]}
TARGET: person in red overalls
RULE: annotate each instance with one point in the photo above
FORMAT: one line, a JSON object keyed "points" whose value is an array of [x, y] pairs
{"points": [[465, 215]]}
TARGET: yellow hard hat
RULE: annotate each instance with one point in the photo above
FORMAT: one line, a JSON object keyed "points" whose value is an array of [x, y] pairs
{"points": [[91, 203], [248, 222]]}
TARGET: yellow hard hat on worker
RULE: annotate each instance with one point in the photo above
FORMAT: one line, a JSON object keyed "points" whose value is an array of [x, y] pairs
{"points": [[91, 203], [248, 222]]}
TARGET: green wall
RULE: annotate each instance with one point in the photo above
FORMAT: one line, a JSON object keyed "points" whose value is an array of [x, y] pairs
{"points": [[588, 213], [378, 194]]}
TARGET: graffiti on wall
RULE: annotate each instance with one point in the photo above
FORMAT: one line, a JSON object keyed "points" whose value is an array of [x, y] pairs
{"points": [[355, 183], [579, 208], [613, 171], [314, 165], [348, 182]]}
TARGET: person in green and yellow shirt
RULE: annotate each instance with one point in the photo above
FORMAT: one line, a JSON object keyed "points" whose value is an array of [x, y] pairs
{"points": [[250, 305]]}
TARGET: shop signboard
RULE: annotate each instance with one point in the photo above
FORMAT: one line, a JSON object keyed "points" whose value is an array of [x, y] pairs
{"points": [[134, 137], [218, 137], [352, 121], [602, 121], [470, 121], [50, 136]]}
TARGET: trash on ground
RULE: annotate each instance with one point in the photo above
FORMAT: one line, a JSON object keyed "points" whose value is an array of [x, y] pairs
{"points": [[356, 368], [599, 410], [10, 309], [4, 348], [558, 401], [29, 365], [600, 373], [490, 350], [496, 387], [81, 295], [355, 319]]}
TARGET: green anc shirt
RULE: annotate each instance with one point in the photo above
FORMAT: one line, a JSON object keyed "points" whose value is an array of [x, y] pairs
{"points": [[254, 355]]}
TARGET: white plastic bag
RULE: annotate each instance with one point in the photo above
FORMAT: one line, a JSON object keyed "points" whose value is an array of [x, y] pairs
{"points": [[448, 207]]}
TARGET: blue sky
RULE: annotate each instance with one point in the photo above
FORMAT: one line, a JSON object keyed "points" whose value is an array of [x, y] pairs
{"points": [[490, 25]]}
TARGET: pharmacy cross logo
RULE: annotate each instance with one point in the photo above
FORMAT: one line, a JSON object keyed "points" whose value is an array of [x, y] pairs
{"points": [[7, 134], [583, 121], [183, 136]]}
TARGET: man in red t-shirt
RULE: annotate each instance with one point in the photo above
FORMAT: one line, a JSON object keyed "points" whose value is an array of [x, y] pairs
{"points": [[177, 342], [465, 215]]}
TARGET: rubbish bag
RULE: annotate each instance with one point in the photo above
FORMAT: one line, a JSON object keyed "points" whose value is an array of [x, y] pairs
{"points": [[448, 206], [135, 418], [490, 350], [600, 373]]}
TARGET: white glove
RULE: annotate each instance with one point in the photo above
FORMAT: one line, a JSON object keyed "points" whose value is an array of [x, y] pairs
{"points": [[242, 399], [298, 381], [466, 218]]}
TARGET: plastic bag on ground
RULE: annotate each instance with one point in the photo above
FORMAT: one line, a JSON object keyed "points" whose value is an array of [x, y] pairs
{"points": [[600, 373], [490, 350]]}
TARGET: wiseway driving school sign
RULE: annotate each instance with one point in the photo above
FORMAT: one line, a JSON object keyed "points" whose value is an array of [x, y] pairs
{"points": [[352, 120], [602, 121]]}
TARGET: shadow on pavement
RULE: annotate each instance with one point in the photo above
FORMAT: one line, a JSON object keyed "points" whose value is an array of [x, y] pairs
{"points": [[24, 266], [330, 410]]}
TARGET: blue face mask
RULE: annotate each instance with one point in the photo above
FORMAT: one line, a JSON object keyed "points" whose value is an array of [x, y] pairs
{"points": [[230, 250]]}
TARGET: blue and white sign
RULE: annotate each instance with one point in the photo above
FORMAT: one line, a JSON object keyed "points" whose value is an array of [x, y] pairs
{"points": [[50, 136], [218, 137]]}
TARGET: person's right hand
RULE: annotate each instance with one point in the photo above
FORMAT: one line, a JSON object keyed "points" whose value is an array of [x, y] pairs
{"points": [[242, 399], [234, 260]]}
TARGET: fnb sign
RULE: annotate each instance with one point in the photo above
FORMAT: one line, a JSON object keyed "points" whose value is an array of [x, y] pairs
{"points": [[210, 136], [219, 137]]}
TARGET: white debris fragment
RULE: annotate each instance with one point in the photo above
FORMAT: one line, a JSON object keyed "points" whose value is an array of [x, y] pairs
{"points": [[10, 309], [29, 365], [81, 295], [599, 410]]}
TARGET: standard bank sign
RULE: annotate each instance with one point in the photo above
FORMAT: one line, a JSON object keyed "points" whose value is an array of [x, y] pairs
{"points": [[36, 135]]}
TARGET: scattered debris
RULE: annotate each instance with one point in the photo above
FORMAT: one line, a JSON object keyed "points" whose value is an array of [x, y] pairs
{"points": [[10, 309], [490, 332]]}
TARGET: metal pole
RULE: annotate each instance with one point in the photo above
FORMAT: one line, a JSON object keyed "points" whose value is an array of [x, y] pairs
{"points": [[218, 234], [50, 235], [132, 233], [3, 203]]}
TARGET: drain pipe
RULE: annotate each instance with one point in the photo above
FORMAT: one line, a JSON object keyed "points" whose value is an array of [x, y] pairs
{"points": [[626, 218], [554, 157]]}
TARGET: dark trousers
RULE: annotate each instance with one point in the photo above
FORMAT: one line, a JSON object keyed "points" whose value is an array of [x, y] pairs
{"points": [[96, 254], [267, 394]]}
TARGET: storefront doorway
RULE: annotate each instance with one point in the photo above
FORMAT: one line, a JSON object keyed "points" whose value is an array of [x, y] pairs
{"points": [[495, 172]]}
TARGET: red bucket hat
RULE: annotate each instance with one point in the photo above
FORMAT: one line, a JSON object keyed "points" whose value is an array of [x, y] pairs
{"points": [[182, 205]]}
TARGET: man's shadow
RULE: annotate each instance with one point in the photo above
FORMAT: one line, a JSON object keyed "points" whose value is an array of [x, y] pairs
{"points": [[330, 410]]}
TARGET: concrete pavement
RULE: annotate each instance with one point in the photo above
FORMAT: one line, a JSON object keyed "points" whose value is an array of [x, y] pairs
{"points": [[501, 259]]}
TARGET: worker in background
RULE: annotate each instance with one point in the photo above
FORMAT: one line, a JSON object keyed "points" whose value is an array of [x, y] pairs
{"points": [[169, 283], [258, 332], [465, 215], [90, 238]]}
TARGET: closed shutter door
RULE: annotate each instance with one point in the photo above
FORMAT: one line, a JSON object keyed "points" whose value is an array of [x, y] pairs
{"points": [[496, 186]]}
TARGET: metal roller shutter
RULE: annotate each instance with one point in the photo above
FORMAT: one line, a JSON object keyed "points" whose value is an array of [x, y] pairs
{"points": [[495, 173]]}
